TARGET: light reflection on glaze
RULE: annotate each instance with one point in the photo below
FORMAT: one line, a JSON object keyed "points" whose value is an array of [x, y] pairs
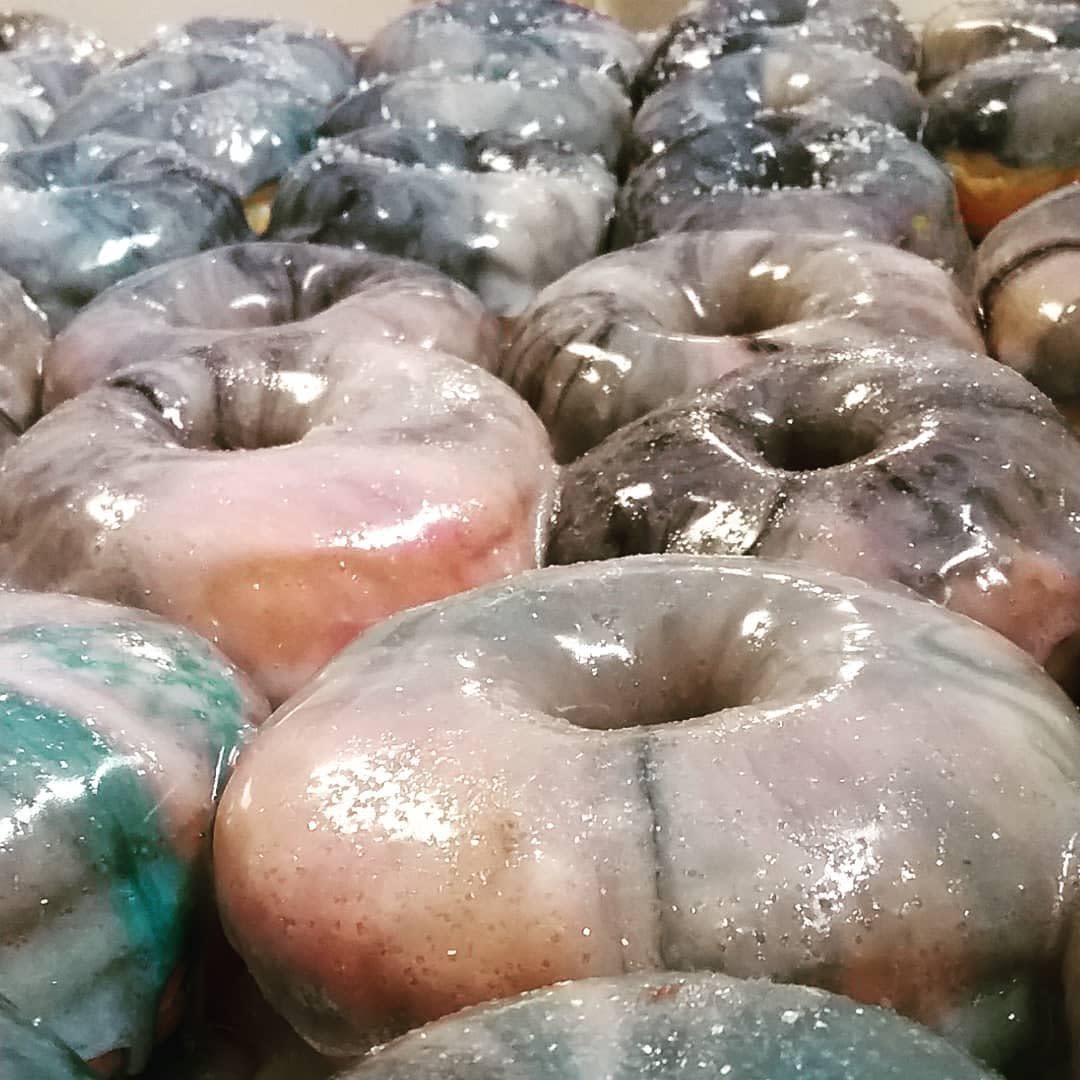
{"points": [[243, 96], [24, 337], [202, 486], [918, 464], [627, 332], [667, 1027], [666, 762], [76, 217], [277, 292], [117, 732]]}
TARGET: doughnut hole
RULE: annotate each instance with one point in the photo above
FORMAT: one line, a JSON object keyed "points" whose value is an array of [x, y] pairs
{"points": [[809, 443]]}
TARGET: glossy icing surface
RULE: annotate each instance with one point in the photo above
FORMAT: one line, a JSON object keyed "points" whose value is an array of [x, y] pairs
{"points": [[934, 468], [271, 293], [665, 1027], [117, 734], [627, 332], [1027, 278], [281, 491], [665, 762], [243, 96]]}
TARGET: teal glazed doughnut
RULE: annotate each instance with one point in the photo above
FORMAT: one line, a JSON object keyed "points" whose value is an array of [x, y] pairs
{"points": [[117, 731], [670, 1027], [665, 763]]}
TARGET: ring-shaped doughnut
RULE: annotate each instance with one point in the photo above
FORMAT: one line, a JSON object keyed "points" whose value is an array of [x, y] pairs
{"points": [[283, 491], [628, 331], [77, 217], [1027, 278], [895, 464], [270, 292], [965, 31], [666, 1027], [504, 216], [1008, 129], [117, 732], [661, 763], [244, 97], [712, 28], [832, 171], [467, 35]]}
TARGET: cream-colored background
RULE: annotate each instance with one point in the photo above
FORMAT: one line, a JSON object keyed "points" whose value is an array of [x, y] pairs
{"points": [[126, 22]]}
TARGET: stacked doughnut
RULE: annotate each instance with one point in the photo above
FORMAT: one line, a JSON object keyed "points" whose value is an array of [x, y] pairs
{"points": [[789, 114], [483, 140], [1004, 83]]}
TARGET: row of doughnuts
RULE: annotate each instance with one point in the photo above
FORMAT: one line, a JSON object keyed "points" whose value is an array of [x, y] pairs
{"points": [[482, 139], [715, 755]]}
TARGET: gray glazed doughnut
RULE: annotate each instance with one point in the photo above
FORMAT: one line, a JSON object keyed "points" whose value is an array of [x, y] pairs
{"points": [[662, 763]]}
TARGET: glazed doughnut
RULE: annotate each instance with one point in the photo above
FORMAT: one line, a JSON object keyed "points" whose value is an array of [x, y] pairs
{"points": [[364, 475], [271, 293], [668, 1027], [30, 1052], [661, 763], [243, 96], [627, 332], [894, 463], [581, 108], [714, 28], [505, 217], [1007, 127], [797, 170], [969, 30], [117, 731], [1027, 277], [795, 78], [43, 64], [24, 337], [76, 217], [468, 35]]}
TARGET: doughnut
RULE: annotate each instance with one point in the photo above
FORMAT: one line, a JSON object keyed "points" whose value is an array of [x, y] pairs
{"points": [[24, 337], [28, 1052], [890, 462], [668, 1027], [43, 64], [274, 293], [969, 30], [482, 140], [797, 170], [661, 763], [241, 95], [504, 217], [712, 28], [116, 732], [467, 35], [1007, 128], [621, 335], [76, 217], [1027, 278], [365, 474], [740, 88], [581, 108]]}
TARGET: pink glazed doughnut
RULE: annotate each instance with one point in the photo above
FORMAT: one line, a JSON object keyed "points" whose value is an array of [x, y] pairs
{"points": [[280, 490]]}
